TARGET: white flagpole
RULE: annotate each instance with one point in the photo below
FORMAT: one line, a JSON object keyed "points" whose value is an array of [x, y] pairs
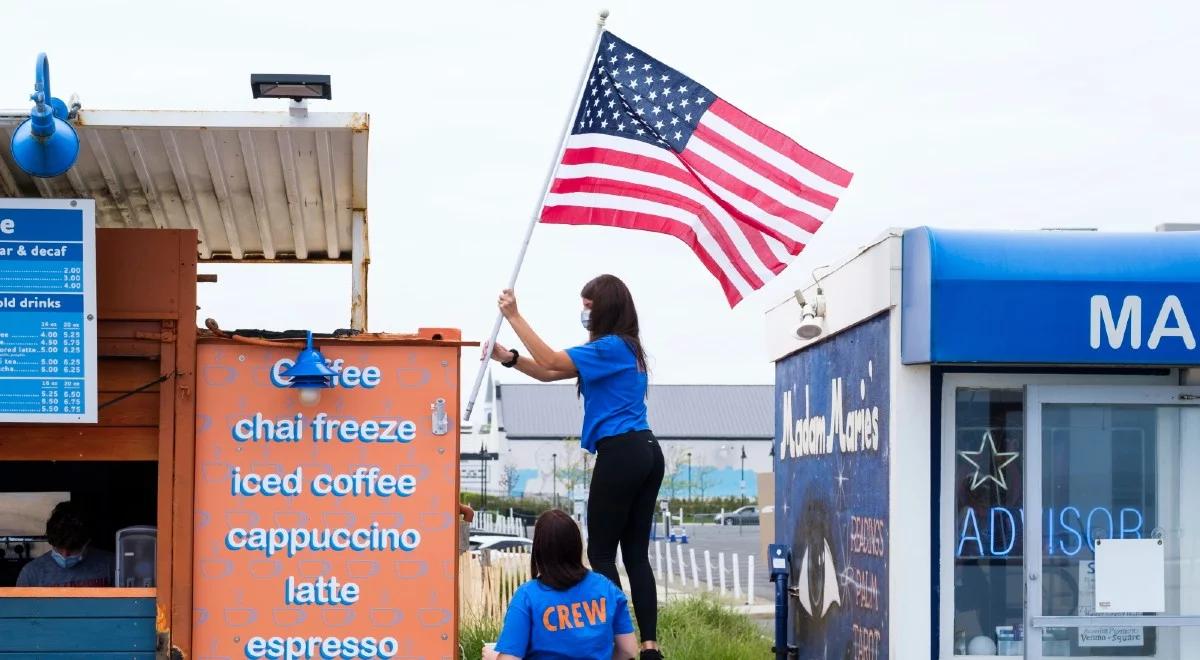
{"points": [[512, 280]]}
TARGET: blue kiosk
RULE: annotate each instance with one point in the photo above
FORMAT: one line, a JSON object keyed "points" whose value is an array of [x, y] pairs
{"points": [[986, 444]]}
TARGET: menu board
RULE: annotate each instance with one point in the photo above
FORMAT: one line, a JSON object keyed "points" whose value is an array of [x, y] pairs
{"points": [[326, 530], [47, 310]]}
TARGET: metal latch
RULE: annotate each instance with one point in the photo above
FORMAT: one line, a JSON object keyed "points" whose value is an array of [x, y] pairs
{"points": [[441, 423]]}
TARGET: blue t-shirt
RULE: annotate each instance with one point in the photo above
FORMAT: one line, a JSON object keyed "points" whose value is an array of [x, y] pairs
{"points": [[575, 624], [614, 389]]}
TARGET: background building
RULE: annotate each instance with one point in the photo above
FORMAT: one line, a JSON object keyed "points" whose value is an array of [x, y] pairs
{"points": [[704, 427]]}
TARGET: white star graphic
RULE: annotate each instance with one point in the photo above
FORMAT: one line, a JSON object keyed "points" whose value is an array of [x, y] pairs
{"points": [[658, 125], [629, 69], [656, 110], [607, 93], [612, 103], [617, 84], [997, 461], [645, 67], [653, 95], [641, 132], [621, 126], [674, 120], [664, 78], [687, 117], [612, 45], [678, 135], [649, 80], [629, 56], [641, 111], [603, 123], [633, 83], [670, 106], [700, 100], [683, 103], [683, 89], [637, 98], [666, 91], [612, 60]]}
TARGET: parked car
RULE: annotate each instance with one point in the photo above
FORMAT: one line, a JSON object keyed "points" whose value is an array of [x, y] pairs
{"points": [[499, 542], [746, 515]]}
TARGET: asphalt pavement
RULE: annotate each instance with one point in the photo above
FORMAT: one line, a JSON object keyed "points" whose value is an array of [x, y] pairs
{"points": [[742, 539]]}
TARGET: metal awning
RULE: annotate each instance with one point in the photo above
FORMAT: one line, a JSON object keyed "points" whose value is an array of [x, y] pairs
{"points": [[257, 186]]}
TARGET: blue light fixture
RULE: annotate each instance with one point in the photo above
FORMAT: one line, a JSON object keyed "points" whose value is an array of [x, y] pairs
{"points": [[45, 145], [310, 374]]}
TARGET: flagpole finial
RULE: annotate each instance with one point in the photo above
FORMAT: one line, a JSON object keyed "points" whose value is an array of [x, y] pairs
{"points": [[603, 17]]}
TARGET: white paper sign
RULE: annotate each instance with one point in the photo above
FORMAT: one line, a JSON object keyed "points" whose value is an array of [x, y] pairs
{"points": [[1101, 635], [1130, 575]]}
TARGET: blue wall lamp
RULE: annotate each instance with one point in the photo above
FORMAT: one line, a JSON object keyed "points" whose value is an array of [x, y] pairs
{"points": [[45, 145], [310, 374]]}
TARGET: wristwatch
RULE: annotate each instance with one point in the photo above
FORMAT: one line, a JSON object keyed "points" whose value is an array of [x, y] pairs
{"points": [[513, 362]]}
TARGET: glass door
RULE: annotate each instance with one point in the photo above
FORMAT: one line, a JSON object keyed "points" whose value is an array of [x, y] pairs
{"points": [[1106, 463]]}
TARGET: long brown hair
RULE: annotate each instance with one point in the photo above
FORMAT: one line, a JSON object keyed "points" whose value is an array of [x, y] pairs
{"points": [[613, 313], [557, 557]]}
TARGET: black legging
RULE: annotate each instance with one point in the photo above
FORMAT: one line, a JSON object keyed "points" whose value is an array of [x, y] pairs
{"points": [[625, 482]]}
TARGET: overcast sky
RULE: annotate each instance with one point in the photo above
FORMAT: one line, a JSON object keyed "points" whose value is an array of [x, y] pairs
{"points": [[967, 114]]}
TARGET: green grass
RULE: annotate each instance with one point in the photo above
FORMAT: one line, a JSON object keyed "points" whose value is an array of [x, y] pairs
{"points": [[473, 634], [703, 628], [694, 629]]}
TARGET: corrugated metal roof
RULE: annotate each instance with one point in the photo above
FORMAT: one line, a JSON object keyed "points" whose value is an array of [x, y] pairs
{"points": [[676, 411], [255, 185]]}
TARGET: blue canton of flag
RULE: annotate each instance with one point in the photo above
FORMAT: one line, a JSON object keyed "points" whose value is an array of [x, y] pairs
{"points": [[633, 95]]}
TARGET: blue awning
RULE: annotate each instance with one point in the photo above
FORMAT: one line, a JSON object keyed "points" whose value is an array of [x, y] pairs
{"points": [[1050, 297]]}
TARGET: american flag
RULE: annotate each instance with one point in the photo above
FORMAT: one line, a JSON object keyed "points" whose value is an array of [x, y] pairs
{"points": [[654, 150]]}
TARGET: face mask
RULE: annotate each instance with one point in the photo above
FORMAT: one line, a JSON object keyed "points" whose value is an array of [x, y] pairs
{"points": [[585, 317], [66, 562]]}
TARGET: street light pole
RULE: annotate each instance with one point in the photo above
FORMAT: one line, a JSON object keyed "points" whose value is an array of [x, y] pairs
{"points": [[743, 474], [554, 457], [689, 476], [483, 469]]}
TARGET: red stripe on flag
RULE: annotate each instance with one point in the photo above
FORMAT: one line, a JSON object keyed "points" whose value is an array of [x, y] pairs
{"points": [[765, 169], [616, 158], [761, 248], [781, 143], [651, 194], [580, 215], [749, 193]]}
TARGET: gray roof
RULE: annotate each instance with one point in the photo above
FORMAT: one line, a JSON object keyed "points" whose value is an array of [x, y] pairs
{"points": [[676, 411]]}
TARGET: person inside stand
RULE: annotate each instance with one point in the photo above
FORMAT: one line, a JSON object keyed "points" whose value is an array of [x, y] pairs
{"points": [[566, 612], [611, 369], [70, 562]]}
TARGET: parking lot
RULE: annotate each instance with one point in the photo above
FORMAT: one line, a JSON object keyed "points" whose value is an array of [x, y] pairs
{"points": [[743, 540]]}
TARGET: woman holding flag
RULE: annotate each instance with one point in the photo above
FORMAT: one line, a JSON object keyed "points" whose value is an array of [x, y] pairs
{"points": [[612, 376]]}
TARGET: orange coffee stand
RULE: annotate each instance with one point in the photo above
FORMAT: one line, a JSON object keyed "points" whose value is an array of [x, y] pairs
{"points": [[284, 527]]}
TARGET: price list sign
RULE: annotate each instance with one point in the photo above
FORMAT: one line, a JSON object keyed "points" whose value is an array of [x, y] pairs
{"points": [[47, 310]]}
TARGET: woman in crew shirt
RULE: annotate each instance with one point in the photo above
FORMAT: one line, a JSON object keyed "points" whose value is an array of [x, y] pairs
{"points": [[565, 612], [611, 369]]}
